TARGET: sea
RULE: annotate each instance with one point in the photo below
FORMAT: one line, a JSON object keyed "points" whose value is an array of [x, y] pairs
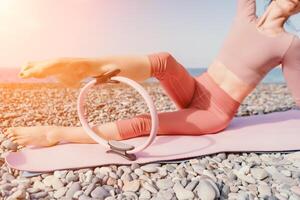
{"points": [[10, 75]]}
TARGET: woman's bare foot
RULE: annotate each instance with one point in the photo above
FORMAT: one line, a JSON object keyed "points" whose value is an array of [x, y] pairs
{"points": [[69, 71], [37, 135], [52, 135]]}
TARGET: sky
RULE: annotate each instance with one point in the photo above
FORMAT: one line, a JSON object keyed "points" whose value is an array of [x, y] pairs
{"points": [[191, 30]]}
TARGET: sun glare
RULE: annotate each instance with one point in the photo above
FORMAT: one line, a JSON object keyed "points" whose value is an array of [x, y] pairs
{"points": [[6, 6]]}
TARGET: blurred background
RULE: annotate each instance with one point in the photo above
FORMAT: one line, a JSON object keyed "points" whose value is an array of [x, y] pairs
{"points": [[193, 30]]}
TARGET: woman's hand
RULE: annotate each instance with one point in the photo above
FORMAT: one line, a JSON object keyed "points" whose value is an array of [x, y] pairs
{"points": [[69, 71]]}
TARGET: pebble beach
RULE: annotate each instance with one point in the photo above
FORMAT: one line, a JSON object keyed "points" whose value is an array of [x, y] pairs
{"points": [[242, 176]]}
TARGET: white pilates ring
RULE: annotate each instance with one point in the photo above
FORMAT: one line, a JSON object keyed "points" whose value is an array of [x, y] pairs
{"points": [[125, 150]]}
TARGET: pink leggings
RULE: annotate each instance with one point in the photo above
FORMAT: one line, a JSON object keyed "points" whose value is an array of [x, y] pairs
{"points": [[203, 107]]}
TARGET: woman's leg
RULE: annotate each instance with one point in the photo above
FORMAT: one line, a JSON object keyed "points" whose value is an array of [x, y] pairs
{"points": [[52, 135], [210, 111], [173, 77]]}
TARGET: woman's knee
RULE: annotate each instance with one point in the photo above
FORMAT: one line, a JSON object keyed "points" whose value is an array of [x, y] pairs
{"points": [[162, 63], [134, 127]]}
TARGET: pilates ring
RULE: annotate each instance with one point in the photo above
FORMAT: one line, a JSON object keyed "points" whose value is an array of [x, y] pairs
{"points": [[125, 150]]}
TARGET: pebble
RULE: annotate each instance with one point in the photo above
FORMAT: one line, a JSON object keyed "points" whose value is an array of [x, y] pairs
{"points": [[90, 188], [150, 168], [210, 174], [60, 174], [85, 197], [294, 197], [242, 196], [39, 185], [192, 185], [72, 177], [132, 186], [149, 187], [205, 190], [258, 173], [39, 195], [164, 184], [7, 177], [296, 190], [74, 188], [19, 194], [182, 193], [53, 181], [9, 145], [60, 192], [77, 194], [286, 173], [99, 192], [264, 191], [144, 194], [248, 178], [165, 194], [139, 172]]}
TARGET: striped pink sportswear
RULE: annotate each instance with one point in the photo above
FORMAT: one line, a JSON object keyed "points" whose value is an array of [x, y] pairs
{"points": [[203, 107]]}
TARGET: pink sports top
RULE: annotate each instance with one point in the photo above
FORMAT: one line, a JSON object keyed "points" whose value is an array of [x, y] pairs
{"points": [[251, 54]]}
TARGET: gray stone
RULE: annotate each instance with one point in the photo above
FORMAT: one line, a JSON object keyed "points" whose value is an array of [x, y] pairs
{"points": [[130, 195], [182, 193], [78, 194], [99, 192], [74, 188], [132, 186], [60, 192], [286, 173], [192, 185], [8, 177], [39, 195], [89, 189], [205, 190], [72, 177], [134, 166], [19, 194], [294, 197], [164, 184], [126, 177], [39, 185], [84, 197], [248, 178], [164, 194], [225, 190], [264, 191], [150, 168], [259, 173], [296, 190], [138, 171], [149, 187], [60, 173], [144, 194]]}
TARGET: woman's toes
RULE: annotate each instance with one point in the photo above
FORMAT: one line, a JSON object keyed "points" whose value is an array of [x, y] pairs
{"points": [[10, 135], [10, 132], [13, 139], [7, 132], [21, 141]]}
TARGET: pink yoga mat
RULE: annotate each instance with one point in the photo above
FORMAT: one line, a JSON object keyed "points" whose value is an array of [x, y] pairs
{"points": [[279, 131]]}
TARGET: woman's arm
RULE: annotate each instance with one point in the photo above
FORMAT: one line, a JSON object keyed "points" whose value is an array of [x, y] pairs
{"points": [[291, 69], [246, 9]]}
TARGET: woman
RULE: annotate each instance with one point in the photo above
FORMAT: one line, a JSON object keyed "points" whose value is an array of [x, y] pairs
{"points": [[207, 103]]}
